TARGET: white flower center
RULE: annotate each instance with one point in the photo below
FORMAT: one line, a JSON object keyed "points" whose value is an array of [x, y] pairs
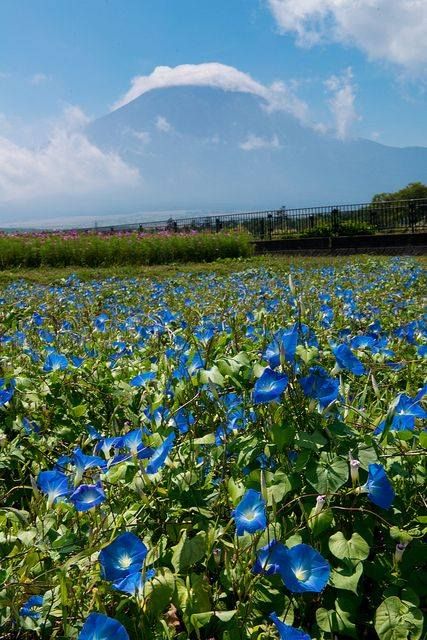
{"points": [[301, 574], [249, 515], [125, 562]]}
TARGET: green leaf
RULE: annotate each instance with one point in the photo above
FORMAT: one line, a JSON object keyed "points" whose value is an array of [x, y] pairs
{"points": [[355, 549], [347, 577], [320, 523], [159, 590], [279, 489], [188, 551], [327, 476], [397, 620], [338, 621], [311, 441]]}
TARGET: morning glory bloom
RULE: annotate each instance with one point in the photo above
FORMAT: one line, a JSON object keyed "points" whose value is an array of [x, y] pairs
{"points": [[160, 454], [405, 412], [30, 426], [304, 570], [134, 582], [347, 360], [87, 496], [249, 514], [100, 322], [269, 386], [83, 462], [101, 627], [378, 487], [106, 444], [55, 362], [122, 557], [320, 386], [132, 440], [6, 393], [142, 378], [28, 608], [286, 632], [55, 484], [282, 346], [183, 420], [270, 558]]}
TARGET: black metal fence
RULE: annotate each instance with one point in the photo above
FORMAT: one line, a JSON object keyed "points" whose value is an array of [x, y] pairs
{"points": [[350, 219]]}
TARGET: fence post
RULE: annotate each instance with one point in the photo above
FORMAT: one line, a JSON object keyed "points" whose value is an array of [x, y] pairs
{"points": [[270, 225], [217, 225]]}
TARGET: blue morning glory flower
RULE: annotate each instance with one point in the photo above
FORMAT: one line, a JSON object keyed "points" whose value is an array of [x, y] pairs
{"points": [[269, 386], [282, 346], [347, 360], [87, 496], [83, 462], [405, 412], [30, 426], [6, 393], [183, 420], [160, 454], [249, 514], [142, 378], [100, 627], [132, 440], [378, 487], [28, 608], [55, 362], [270, 558], [55, 484], [106, 444], [320, 386], [304, 570], [100, 322], [134, 582], [122, 557], [286, 632]]}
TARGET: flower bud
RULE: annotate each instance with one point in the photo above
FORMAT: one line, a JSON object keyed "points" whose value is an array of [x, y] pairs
{"points": [[320, 501], [354, 470], [400, 548]]}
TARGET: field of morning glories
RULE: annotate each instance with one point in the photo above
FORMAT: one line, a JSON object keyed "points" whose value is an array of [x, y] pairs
{"points": [[218, 457]]}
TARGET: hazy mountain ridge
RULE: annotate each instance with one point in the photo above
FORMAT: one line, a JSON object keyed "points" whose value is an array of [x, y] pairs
{"points": [[205, 148]]}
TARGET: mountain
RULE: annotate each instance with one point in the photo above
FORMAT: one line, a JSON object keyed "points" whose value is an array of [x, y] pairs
{"points": [[209, 149]]}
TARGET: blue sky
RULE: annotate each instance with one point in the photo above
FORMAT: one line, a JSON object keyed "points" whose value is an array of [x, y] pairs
{"points": [[357, 67], [56, 52]]}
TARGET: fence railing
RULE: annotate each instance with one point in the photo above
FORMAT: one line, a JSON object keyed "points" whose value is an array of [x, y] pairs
{"points": [[350, 219], [404, 216]]}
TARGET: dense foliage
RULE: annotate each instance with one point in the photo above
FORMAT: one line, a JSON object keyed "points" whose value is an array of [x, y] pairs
{"points": [[214, 457], [97, 249], [412, 191]]}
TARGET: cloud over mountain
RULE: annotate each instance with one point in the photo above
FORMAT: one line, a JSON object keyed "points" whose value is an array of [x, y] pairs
{"points": [[68, 163]]}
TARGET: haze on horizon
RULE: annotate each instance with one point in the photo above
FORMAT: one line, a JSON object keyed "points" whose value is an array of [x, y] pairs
{"points": [[119, 111]]}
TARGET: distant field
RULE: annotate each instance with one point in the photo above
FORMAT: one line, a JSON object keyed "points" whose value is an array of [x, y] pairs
{"points": [[221, 266], [35, 250]]}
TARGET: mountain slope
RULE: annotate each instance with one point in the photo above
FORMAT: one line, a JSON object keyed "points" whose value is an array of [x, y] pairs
{"points": [[205, 148]]}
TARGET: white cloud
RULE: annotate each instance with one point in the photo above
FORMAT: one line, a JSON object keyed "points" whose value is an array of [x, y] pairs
{"points": [[142, 136], [342, 102], [163, 125], [278, 96], [391, 30], [254, 142], [38, 79], [68, 164]]}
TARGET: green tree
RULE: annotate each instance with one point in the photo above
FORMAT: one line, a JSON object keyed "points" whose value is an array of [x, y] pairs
{"points": [[414, 190]]}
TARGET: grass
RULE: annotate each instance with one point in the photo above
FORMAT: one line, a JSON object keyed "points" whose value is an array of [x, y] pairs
{"points": [[47, 275]]}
